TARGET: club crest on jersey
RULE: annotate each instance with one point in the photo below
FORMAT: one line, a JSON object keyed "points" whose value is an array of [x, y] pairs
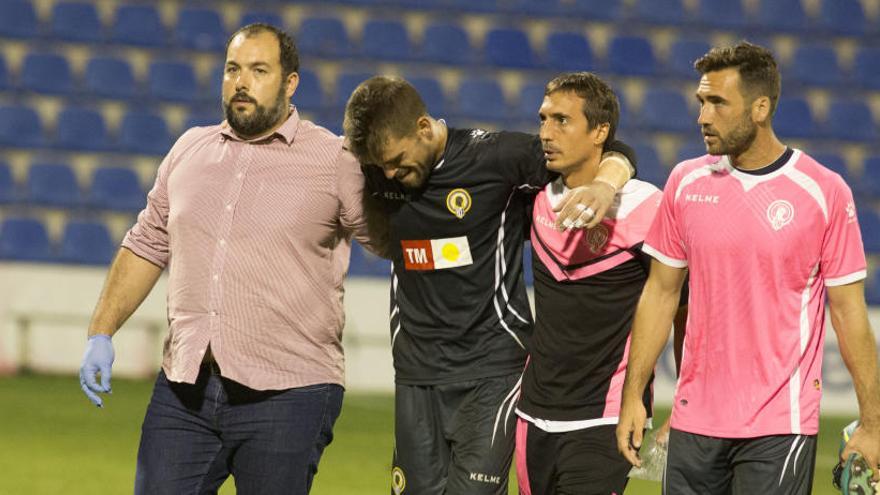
{"points": [[436, 254], [597, 238], [851, 212], [458, 202], [398, 480], [780, 213]]}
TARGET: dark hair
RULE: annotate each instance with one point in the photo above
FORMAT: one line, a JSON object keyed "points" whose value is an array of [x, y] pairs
{"points": [[600, 102], [757, 68], [286, 45], [379, 108]]}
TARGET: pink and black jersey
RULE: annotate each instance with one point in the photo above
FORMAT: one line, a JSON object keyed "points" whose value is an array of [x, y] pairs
{"points": [[761, 248], [587, 285]]}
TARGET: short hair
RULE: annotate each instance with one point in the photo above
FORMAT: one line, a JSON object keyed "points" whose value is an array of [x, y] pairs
{"points": [[286, 45], [379, 108], [600, 102], [758, 71]]}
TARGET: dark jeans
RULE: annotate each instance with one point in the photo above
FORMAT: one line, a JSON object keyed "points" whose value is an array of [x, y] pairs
{"points": [[195, 435]]}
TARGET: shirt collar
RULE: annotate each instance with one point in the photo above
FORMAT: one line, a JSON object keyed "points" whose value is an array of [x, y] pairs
{"points": [[286, 132]]}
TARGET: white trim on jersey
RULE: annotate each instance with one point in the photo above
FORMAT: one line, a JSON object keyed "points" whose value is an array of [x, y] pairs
{"points": [[794, 383], [846, 279], [499, 281], [512, 396], [553, 426], [396, 308], [693, 176], [662, 258], [810, 185], [633, 194]]}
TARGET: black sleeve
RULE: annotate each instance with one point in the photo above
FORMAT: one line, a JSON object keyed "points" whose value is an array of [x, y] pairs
{"points": [[379, 186], [627, 151], [522, 156]]}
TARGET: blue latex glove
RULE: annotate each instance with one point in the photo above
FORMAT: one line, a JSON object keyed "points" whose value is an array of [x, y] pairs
{"points": [[97, 359]]}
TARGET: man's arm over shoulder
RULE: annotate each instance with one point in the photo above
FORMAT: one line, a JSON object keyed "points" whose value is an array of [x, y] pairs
{"points": [[360, 212]]}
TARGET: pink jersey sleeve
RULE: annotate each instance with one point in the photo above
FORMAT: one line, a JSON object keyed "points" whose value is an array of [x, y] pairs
{"points": [[664, 241], [843, 255]]}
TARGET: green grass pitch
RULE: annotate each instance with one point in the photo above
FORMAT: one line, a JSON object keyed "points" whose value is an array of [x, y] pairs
{"points": [[53, 441]]}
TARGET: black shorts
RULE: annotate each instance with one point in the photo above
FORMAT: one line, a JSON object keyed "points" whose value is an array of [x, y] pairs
{"points": [[581, 462], [773, 464], [454, 439]]}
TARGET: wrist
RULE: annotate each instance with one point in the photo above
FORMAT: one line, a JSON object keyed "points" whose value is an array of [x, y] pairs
{"points": [[99, 336], [607, 183]]}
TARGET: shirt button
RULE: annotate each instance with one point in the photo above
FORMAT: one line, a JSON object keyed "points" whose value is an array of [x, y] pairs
{"points": [[222, 242], [215, 277], [213, 313], [229, 207], [240, 175]]}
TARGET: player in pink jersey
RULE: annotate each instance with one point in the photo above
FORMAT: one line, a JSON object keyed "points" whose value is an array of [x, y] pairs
{"points": [[766, 233]]}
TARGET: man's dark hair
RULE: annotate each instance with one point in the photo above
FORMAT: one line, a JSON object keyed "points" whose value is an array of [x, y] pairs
{"points": [[379, 108], [600, 102], [286, 45], [758, 72]]}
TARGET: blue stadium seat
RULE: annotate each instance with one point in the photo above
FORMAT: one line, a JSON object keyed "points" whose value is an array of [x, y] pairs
{"points": [[324, 36], [202, 119], [872, 288], [432, 94], [660, 12], [309, 93], [834, 162], [110, 77], [842, 17], [143, 132], [81, 129], [531, 95], [86, 242], [667, 110], [481, 99], [682, 55], [200, 29], [117, 188], [851, 120], [794, 118], [46, 73], [138, 25], [20, 126], [592, 9], [722, 13], [509, 47], [689, 150], [782, 15], [447, 43], [631, 56], [74, 21], [866, 69], [24, 239], [346, 82], [568, 51], [5, 83], [650, 168], [384, 39], [868, 185], [175, 81], [19, 19], [8, 193], [53, 184], [366, 264], [264, 17], [869, 222], [816, 64]]}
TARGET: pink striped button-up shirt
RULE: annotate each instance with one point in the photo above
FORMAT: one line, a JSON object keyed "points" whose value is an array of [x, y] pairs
{"points": [[256, 238]]}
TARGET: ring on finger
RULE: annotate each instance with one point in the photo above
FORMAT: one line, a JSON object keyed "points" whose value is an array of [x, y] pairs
{"points": [[589, 212], [581, 207]]}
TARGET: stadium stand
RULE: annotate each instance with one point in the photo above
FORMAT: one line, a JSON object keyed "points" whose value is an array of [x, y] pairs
{"points": [[19, 19], [7, 185], [86, 242], [175, 81], [481, 99], [81, 129], [53, 184], [138, 25], [509, 47], [200, 29], [110, 77], [20, 126], [116, 188], [568, 51], [24, 239], [446, 42], [73, 21], [324, 36], [631, 56], [782, 15], [386, 39], [46, 73]]}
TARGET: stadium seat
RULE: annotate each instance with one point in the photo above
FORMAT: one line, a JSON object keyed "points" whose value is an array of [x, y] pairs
{"points": [[782, 15], [794, 118], [682, 55], [869, 222], [202, 119], [116, 188], [842, 17], [689, 150], [722, 13], [872, 288], [138, 25], [19, 19], [74, 21], [53, 184], [432, 94], [8, 193], [325, 36], [346, 82], [568, 51], [5, 83], [175, 81], [24, 239], [143, 132], [866, 69], [85, 242], [20, 126], [509, 47], [200, 29], [531, 95], [816, 64], [385, 39], [834, 162], [868, 185], [851, 120], [650, 168], [446, 43], [592, 9], [309, 93], [481, 99], [253, 17], [81, 129], [110, 77], [631, 56], [366, 264], [46, 73], [667, 110], [666, 12]]}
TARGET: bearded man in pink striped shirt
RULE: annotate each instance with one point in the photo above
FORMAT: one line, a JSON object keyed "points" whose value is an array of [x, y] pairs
{"points": [[253, 221]]}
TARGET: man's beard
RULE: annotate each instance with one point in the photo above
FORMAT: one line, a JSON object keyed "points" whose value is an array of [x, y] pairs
{"points": [[260, 120], [738, 140]]}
